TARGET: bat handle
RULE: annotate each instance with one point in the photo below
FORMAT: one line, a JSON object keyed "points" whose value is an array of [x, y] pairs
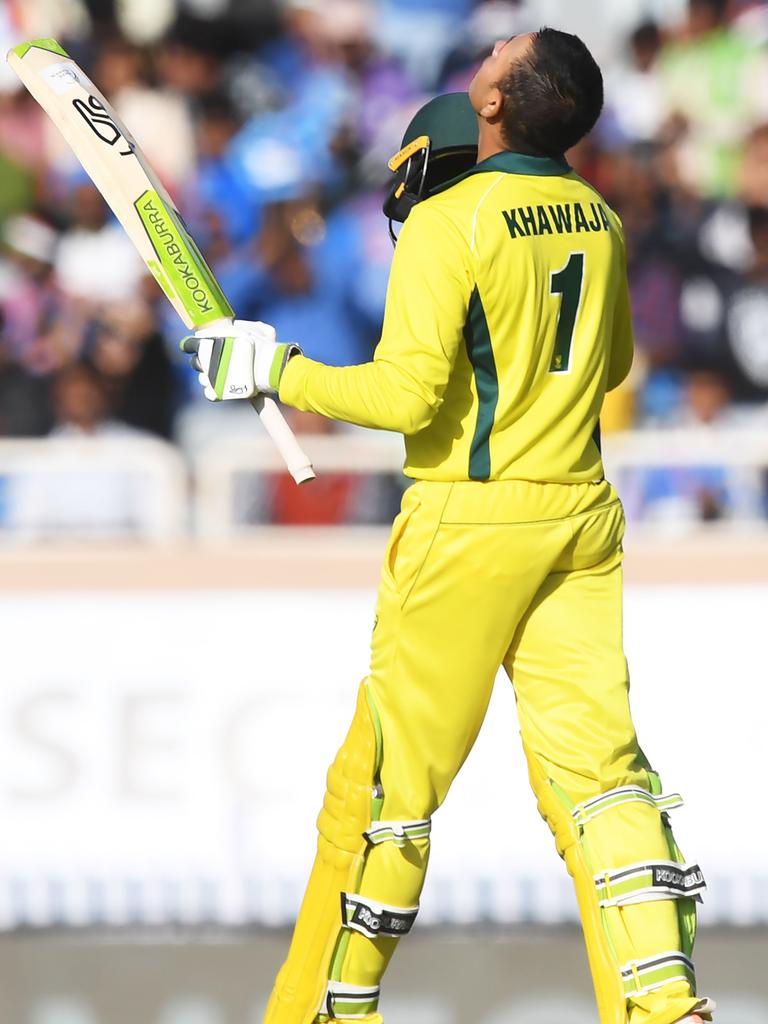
{"points": [[296, 459]]}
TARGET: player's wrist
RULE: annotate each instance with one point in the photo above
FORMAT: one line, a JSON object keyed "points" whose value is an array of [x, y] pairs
{"points": [[277, 361]]}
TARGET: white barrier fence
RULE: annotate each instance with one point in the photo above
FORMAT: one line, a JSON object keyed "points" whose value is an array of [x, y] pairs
{"points": [[52, 488], [156, 770], [98, 487]]}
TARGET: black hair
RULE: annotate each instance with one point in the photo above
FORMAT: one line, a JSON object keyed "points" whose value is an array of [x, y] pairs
{"points": [[647, 35], [552, 97], [217, 106], [757, 219]]}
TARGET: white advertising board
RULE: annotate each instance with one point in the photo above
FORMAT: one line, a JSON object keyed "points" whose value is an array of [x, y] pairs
{"points": [[163, 756]]}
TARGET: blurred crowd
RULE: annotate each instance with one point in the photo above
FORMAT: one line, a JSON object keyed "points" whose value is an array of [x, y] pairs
{"points": [[271, 124]]}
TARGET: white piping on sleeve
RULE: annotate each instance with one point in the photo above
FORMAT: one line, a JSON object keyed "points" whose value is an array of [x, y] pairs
{"points": [[479, 204]]}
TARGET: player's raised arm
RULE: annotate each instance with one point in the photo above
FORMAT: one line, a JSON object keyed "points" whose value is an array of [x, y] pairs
{"points": [[402, 387], [428, 297], [427, 301]]}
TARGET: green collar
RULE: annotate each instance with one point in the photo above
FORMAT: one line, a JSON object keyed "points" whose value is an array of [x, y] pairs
{"points": [[512, 163], [519, 163]]}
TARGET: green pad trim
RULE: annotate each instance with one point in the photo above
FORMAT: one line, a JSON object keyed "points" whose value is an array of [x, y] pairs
{"points": [[644, 882], [377, 792], [643, 976], [377, 801], [584, 812], [654, 783], [351, 1002], [376, 728], [339, 954], [39, 44], [562, 796], [182, 273]]}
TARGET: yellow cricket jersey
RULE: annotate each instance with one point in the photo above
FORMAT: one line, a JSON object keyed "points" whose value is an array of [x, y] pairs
{"points": [[507, 319]]}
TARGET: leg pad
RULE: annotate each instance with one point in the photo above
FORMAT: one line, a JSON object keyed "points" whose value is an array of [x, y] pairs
{"points": [[638, 917]]}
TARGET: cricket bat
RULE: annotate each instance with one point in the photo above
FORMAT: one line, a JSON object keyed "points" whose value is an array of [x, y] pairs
{"points": [[119, 170]]}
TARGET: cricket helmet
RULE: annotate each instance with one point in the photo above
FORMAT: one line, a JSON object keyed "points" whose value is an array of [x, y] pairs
{"points": [[439, 144]]}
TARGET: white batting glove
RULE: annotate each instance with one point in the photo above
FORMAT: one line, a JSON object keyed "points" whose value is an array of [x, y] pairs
{"points": [[245, 361]]}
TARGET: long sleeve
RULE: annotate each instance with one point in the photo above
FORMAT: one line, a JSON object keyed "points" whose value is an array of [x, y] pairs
{"points": [[427, 299]]}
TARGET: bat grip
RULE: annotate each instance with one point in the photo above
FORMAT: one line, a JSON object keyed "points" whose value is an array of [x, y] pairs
{"points": [[296, 459]]}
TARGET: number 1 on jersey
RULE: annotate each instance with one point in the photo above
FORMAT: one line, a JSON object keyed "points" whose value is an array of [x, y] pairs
{"points": [[566, 282]]}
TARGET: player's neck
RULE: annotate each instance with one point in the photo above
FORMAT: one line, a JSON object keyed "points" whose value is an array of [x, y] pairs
{"points": [[489, 141]]}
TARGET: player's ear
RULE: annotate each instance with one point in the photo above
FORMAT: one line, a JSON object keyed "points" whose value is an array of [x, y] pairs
{"points": [[492, 103]]}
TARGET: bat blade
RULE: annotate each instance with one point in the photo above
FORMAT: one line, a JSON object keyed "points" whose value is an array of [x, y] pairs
{"points": [[119, 170]]}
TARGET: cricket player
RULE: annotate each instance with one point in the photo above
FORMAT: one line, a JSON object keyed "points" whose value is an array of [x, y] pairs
{"points": [[507, 319]]}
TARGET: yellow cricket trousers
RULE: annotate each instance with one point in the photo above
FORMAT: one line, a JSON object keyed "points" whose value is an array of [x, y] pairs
{"points": [[477, 575]]}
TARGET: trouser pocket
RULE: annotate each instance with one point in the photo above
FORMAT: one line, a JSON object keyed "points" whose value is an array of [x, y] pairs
{"points": [[413, 533]]}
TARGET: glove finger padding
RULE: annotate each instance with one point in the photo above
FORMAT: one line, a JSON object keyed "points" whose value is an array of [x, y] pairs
{"points": [[224, 365], [238, 365], [208, 391], [229, 365], [191, 345]]}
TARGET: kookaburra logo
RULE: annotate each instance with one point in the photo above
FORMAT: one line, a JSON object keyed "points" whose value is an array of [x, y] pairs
{"points": [[99, 121]]}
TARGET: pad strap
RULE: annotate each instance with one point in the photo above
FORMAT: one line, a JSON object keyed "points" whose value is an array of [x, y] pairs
{"points": [[654, 880], [643, 976], [590, 809], [398, 832], [374, 919], [350, 1002]]}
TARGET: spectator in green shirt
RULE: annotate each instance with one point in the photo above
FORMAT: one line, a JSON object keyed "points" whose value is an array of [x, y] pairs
{"points": [[715, 82]]}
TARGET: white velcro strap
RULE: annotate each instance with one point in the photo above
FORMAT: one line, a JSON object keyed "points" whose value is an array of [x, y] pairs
{"points": [[649, 880], [590, 809], [398, 832], [263, 356], [374, 919], [643, 976], [350, 1002]]}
